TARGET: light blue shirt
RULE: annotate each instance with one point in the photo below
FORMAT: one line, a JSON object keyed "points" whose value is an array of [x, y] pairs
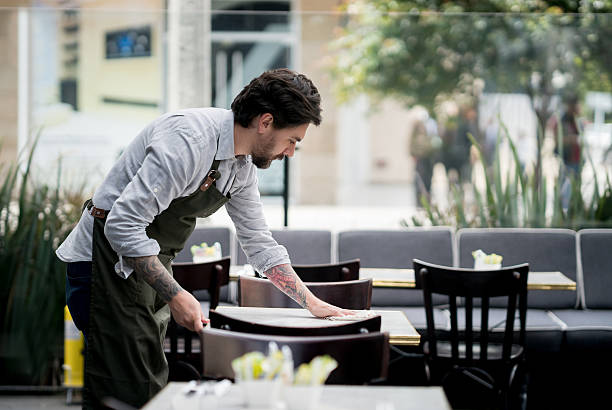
{"points": [[169, 159]]}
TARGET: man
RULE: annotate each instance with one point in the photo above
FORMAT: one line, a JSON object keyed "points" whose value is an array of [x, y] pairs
{"points": [[182, 166]]}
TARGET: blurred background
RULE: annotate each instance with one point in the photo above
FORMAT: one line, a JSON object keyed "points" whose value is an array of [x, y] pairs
{"points": [[489, 113], [403, 84]]}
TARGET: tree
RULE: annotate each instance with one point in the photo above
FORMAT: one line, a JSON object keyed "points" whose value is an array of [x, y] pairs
{"points": [[425, 51]]}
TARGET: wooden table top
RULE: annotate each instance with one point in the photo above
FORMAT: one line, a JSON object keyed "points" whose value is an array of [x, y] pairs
{"points": [[333, 397], [401, 331], [404, 278]]}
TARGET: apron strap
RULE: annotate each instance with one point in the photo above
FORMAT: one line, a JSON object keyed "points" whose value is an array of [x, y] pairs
{"points": [[211, 177]]}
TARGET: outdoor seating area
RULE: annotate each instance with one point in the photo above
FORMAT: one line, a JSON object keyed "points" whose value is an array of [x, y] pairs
{"points": [[305, 204], [557, 320]]}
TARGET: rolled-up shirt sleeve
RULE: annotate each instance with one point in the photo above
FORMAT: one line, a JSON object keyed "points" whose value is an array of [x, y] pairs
{"points": [[246, 211], [166, 171]]}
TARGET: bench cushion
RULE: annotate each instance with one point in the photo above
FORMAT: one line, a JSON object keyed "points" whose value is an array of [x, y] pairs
{"points": [[545, 250], [586, 329], [544, 333], [305, 247], [416, 316], [596, 260]]}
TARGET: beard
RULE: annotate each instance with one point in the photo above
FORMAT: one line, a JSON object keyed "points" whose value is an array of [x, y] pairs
{"points": [[261, 162], [263, 155], [264, 162]]}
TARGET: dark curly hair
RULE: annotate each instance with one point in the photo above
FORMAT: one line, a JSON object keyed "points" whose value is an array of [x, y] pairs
{"points": [[291, 98]]}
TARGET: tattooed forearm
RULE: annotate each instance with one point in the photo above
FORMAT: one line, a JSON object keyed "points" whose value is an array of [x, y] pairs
{"points": [[285, 278], [154, 273]]}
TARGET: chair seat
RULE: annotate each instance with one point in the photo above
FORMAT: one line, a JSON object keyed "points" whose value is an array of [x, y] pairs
{"points": [[586, 329], [544, 333], [494, 350]]}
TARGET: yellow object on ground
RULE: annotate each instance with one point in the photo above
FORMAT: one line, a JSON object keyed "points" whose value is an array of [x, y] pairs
{"points": [[73, 352]]}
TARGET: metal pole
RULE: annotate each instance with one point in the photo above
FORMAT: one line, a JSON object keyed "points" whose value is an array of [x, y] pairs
{"points": [[286, 191]]}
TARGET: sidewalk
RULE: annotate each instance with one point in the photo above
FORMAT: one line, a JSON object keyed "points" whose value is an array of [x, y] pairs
{"points": [[363, 207], [55, 401]]}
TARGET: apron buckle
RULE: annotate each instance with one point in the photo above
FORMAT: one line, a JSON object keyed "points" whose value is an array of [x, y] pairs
{"points": [[97, 212], [212, 176]]}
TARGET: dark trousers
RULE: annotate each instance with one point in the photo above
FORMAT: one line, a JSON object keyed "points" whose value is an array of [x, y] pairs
{"points": [[78, 293]]}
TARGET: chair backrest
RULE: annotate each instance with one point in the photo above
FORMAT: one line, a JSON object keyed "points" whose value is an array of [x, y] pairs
{"points": [[545, 250], [361, 358], [220, 321], [305, 247], [193, 277], [351, 294], [330, 272], [207, 234], [596, 263], [474, 286], [397, 249], [208, 276]]}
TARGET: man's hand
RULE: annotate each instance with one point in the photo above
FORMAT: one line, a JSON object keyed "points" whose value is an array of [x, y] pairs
{"points": [[185, 308], [187, 312], [320, 308]]}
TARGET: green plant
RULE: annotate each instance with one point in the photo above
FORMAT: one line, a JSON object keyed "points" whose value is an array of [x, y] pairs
{"points": [[34, 219], [517, 199]]}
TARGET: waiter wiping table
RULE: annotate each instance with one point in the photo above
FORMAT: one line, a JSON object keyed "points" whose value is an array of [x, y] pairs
{"points": [[182, 166]]}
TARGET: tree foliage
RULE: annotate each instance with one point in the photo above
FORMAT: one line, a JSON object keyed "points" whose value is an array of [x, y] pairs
{"points": [[424, 51]]}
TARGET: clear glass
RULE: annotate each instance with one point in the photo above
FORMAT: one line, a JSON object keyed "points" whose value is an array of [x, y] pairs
{"points": [[401, 93]]}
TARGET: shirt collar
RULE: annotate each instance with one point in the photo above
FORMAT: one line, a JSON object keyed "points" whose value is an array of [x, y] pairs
{"points": [[226, 137]]}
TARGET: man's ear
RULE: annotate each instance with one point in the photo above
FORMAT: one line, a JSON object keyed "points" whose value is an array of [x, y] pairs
{"points": [[265, 122]]}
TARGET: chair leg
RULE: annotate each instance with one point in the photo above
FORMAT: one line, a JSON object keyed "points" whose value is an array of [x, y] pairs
{"points": [[181, 371], [517, 389]]}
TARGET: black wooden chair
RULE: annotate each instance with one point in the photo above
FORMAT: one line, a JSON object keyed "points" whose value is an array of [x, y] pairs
{"points": [[471, 363], [362, 358], [220, 321], [330, 272], [184, 357], [351, 294]]}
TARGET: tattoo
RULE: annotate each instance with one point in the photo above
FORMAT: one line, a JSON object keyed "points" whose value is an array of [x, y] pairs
{"points": [[154, 273], [285, 278]]}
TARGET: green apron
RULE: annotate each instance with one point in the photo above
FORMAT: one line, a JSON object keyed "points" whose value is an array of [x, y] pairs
{"points": [[128, 321]]}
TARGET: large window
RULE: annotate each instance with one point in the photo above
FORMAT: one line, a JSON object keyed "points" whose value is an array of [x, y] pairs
{"points": [[249, 38]]}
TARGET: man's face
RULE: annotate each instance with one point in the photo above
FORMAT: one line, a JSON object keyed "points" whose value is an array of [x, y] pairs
{"points": [[276, 144]]}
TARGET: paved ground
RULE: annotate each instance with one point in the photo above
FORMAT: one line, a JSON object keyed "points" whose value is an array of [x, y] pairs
{"points": [[56, 401]]}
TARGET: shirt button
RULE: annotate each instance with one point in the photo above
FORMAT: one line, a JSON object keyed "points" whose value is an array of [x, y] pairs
{"points": [[155, 189]]}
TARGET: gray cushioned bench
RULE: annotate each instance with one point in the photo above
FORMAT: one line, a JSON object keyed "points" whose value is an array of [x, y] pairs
{"points": [[590, 328], [397, 249], [544, 250], [305, 247]]}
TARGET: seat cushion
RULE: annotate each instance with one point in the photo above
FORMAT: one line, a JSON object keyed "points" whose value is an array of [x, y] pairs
{"points": [[382, 296], [586, 329], [596, 260], [544, 333], [397, 248], [546, 250], [494, 350], [416, 316], [305, 247]]}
